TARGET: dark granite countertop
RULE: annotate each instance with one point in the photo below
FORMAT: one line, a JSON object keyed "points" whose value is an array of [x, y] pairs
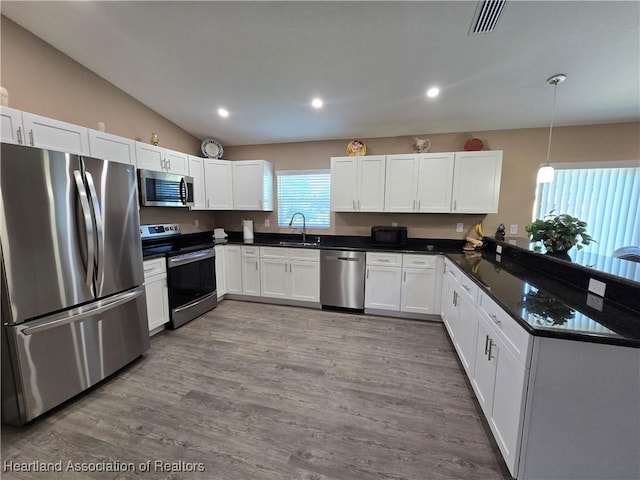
{"points": [[542, 304]]}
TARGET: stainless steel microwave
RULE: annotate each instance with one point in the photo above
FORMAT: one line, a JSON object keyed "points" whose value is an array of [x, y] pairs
{"points": [[162, 189]]}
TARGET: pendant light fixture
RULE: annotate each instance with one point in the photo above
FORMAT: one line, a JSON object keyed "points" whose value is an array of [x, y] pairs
{"points": [[545, 174]]}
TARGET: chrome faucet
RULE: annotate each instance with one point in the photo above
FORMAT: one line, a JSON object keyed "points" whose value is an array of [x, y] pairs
{"points": [[304, 225]]}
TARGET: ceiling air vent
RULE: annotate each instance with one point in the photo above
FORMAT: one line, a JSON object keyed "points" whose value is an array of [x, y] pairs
{"points": [[486, 17]]}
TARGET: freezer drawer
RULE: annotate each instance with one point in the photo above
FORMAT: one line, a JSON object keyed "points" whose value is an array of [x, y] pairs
{"points": [[57, 357]]}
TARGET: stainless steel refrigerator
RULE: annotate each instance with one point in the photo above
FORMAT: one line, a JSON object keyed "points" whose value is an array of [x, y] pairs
{"points": [[73, 303]]}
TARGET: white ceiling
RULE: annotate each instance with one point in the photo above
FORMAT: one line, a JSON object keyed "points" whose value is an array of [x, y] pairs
{"points": [[371, 62]]}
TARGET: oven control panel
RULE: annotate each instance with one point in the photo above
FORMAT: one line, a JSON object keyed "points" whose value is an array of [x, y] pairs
{"points": [[159, 231]]}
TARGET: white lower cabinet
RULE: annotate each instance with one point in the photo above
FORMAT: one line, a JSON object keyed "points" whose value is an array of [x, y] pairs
{"points": [[290, 273], [383, 281], [221, 283], [250, 271], [233, 268], [155, 287]]}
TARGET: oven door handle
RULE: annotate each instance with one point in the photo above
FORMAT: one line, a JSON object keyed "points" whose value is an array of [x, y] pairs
{"points": [[186, 258]]}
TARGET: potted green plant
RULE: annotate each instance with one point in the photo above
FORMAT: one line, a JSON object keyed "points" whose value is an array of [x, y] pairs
{"points": [[559, 233]]}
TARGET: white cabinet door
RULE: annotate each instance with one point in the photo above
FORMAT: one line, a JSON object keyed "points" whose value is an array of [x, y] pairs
{"points": [[400, 183], [274, 274], [252, 185], [466, 331], [371, 172], [112, 147], [196, 171], [382, 288], [150, 157], [218, 184], [418, 290], [157, 301], [221, 283], [304, 284], [344, 184], [508, 402], [251, 276], [476, 182], [233, 268], [11, 126], [484, 376], [53, 134], [177, 162], [435, 182]]}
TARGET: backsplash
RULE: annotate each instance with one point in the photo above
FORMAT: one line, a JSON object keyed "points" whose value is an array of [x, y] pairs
{"points": [[187, 219]]}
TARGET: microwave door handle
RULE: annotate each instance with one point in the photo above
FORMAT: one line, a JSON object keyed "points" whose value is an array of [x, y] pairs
{"points": [[183, 194], [88, 225], [99, 229]]}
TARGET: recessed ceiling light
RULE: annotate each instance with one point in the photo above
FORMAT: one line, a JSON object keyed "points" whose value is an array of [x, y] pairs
{"points": [[223, 112], [433, 92], [316, 103]]}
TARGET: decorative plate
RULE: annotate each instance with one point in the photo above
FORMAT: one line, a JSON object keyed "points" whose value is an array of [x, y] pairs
{"points": [[211, 148], [356, 148]]}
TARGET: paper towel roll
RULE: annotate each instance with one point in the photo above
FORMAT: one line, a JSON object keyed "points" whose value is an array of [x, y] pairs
{"points": [[247, 230]]}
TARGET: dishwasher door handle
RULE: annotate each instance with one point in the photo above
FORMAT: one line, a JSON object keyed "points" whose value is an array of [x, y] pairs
{"points": [[348, 259]]}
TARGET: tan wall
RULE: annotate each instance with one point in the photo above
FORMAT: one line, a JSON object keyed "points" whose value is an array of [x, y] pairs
{"points": [[523, 149], [42, 80]]}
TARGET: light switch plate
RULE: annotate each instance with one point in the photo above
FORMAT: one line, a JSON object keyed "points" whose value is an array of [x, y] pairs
{"points": [[513, 229], [394, 224], [498, 248], [459, 227], [597, 287], [267, 222]]}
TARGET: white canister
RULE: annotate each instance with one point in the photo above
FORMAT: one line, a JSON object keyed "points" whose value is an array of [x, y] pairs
{"points": [[247, 230]]}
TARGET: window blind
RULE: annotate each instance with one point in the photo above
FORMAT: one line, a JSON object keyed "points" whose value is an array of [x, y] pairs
{"points": [[306, 191]]}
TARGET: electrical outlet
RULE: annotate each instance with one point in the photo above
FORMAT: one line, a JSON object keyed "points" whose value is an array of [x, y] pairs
{"points": [[513, 229], [597, 287], [267, 222], [459, 227], [196, 223], [498, 248], [513, 242], [394, 224]]}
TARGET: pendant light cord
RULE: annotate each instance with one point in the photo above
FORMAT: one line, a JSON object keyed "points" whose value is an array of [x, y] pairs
{"points": [[553, 109]]}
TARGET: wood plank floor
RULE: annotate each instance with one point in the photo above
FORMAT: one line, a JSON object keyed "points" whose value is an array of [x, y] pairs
{"points": [[254, 391]]}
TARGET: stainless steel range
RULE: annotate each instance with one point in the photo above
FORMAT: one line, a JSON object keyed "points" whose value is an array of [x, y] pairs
{"points": [[191, 274]]}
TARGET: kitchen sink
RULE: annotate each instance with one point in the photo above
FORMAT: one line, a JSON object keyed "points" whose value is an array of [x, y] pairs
{"points": [[298, 244]]}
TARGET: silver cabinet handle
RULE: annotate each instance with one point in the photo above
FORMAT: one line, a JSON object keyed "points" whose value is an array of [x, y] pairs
{"points": [[489, 357], [465, 287], [454, 205], [495, 319], [19, 135], [353, 204], [169, 162], [455, 299], [31, 138], [358, 204], [285, 267], [405, 276], [208, 203], [367, 273], [486, 344], [414, 205], [418, 204], [256, 265]]}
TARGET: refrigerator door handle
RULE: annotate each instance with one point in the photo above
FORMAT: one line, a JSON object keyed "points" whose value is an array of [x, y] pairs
{"points": [[99, 228], [88, 225], [80, 313]]}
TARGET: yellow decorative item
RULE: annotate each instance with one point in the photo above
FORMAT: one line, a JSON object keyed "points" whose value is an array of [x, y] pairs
{"points": [[356, 148], [479, 230]]}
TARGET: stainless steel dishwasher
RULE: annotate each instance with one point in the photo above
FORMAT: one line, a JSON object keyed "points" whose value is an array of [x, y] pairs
{"points": [[342, 279]]}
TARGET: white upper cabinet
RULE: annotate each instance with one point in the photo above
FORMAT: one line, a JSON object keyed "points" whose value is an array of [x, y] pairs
{"points": [[160, 159], [476, 182], [196, 171], [11, 127], [112, 147], [252, 185], [419, 183], [357, 183], [218, 183], [23, 128]]}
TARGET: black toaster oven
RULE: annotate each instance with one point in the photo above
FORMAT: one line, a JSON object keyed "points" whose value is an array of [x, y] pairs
{"points": [[392, 236]]}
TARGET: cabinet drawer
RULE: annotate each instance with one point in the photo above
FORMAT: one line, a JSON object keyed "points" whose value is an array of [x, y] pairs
{"points": [[419, 261], [516, 338], [304, 254], [153, 267], [273, 252], [469, 287], [451, 269], [384, 259], [248, 252]]}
